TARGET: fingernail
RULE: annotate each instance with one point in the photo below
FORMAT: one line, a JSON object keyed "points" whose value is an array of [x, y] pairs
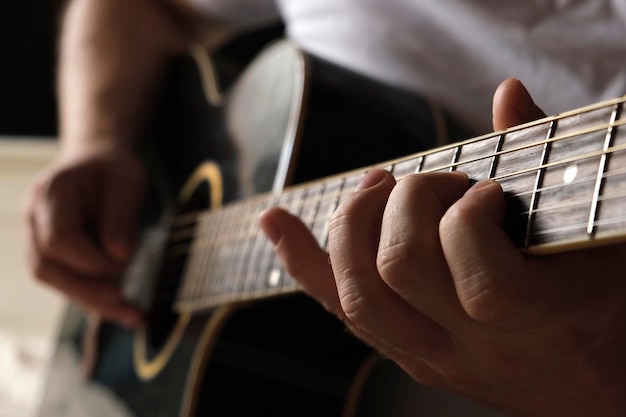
{"points": [[372, 178]]}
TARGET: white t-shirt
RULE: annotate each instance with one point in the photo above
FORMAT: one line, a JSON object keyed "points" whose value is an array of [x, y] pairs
{"points": [[569, 53]]}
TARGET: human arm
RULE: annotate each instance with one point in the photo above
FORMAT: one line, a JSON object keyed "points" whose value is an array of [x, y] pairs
{"points": [[81, 212], [424, 272]]}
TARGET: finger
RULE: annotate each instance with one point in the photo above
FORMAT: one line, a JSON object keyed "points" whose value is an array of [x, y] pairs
{"points": [[489, 272], [291, 240], [410, 258], [513, 105], [58, 233], [119, 221], [308, 264], [368, 303], [102, 296]]}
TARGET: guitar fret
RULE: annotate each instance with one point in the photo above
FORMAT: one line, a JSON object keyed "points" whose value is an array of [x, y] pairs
{"points": [[268, 269], [218, 262], [495, 159], [246, 226], [319, 220], [570, 175], [190, 269], [349, 186], [475, 158], [420, 166], [276, 278], [230, 246], [205, 280], [224, 272], [439, 161], [409, 166], [613, 200], [455, 158], [258, 246], [333, 189], [538, 181], [602, 166]]}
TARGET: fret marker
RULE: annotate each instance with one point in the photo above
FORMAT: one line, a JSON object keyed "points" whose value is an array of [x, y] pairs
{"points": [[274, 278], [570, 173]]}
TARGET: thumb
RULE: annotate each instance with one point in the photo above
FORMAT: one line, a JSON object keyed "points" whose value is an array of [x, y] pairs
{"points": [[513, 105], [122, 201]]}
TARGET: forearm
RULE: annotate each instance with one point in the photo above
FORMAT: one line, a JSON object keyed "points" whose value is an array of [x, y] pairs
{"points": [[113, 53]]}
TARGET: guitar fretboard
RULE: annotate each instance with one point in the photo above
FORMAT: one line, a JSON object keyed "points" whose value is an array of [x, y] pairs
{"points": [[564, 175]]}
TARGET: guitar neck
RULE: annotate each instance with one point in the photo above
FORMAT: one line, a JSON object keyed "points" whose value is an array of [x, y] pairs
{"points": [[563, 177]]}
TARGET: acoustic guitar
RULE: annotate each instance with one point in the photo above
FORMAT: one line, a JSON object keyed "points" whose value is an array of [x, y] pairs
{"points": [[229, 332]]}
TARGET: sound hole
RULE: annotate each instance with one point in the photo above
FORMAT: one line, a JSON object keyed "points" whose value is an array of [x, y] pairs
{"points": [[162, 318]]}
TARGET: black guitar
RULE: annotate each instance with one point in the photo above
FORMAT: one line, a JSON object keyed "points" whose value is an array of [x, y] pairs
{"points": [[230, 334]]}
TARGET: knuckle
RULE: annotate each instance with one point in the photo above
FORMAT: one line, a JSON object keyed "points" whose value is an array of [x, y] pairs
{"points": [[396, 260], [352, 300], [457, 218], [414, 183], [479, 303], [340, 226], [343, 217]]}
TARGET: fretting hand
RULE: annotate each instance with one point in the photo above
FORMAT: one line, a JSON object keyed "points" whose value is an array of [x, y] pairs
{"points": [[424, 272]]}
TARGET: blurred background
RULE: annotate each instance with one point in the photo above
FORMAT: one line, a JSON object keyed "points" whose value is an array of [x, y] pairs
{"points": [[29, 313]]}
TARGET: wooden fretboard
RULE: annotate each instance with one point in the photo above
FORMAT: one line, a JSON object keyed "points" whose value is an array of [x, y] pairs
{"points": [[566, 174]]}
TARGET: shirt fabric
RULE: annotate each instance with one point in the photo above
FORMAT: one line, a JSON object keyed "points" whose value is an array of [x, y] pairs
{"points": [[569, 53]]}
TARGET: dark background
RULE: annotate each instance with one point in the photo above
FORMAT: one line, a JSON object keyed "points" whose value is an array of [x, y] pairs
{"points": [[29, 31], [28, 34]]}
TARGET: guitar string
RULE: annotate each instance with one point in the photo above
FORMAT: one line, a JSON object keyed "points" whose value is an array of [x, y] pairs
{"points": [[577, 182], [203, 243], [188, 231], [211, 296], [264, 289], [182, 235], [577, 226], [188, 217]]}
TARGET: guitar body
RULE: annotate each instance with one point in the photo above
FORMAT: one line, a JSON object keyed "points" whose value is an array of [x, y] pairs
{"points": [[289, 118], [283, 357]]}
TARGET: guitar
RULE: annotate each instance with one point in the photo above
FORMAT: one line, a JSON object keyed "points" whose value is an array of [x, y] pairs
{"points": [[230, 333]]}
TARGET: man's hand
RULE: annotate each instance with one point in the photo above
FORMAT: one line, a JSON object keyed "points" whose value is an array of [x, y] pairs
{"points": [[424, 272], [81, 220]]}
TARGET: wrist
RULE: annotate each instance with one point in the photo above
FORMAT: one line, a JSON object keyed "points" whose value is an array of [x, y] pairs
{"points": [[91, 144]]}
